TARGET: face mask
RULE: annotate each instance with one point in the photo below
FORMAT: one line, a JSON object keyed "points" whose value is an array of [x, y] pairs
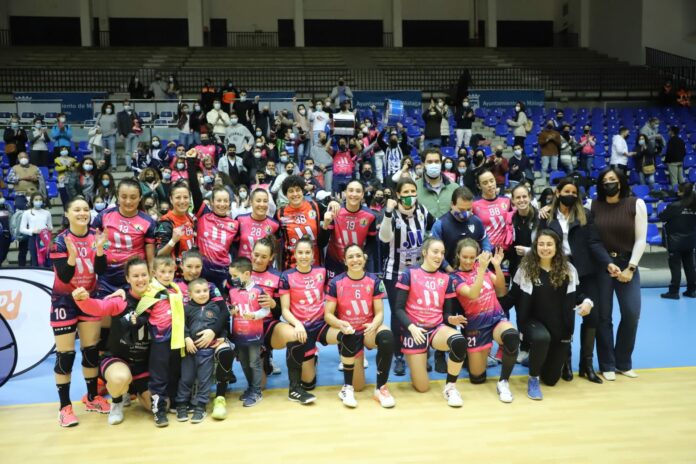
{"points": [[270, 172], [38, 204], [155, 143], [87, 167], [185, 110], [567, 200], [105, 182], [448, 165], [216, 106], [166, 176], [379, 200], [24, 161], [461, 170], [283, 159], [289, 171], [611, 188], [208, 179], [234, 121], [243, 194], [197, 108], [14, 125], [320, 107], [2, 201], [419, 172], [38, 125], [433, 170], [109, 111], [231, 154], [257, 154], [465, 104], [242, 98], [461, 215], [517, 153], [367, 174], [478, 159], [127, 107], [587, 131], [641, 142], [366, 131], [292, 136], [302, 112], [258, 133], [163, 211], [180, 166], [498, 153], [393, 142], [64, 152], [407, 201], [99, 206], [517, 108], [235, 282], [61, 119]]}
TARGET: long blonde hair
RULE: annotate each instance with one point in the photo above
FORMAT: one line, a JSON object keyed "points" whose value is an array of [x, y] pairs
{"points": [[577, 211]]}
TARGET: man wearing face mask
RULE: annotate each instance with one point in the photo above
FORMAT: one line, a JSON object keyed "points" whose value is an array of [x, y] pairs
{"points": [[655, 140], [464, 118], [236, 166], [264, 120], [15, 140], [24, 176], [434, 189], [370, 182], [219, 119], [238, 134], [245, 109], [61, 133], [619, 151], [433, 119], [126, 121], [341, 92]]}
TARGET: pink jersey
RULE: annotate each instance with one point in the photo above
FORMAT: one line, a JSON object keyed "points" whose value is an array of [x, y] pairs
{"points": [[483, 311], [496, 218], [350, 229], [306, 292], [343, 163], [355, 298], [127, 235], [207, 150], [160, 315], [84, 263], [427, 292], [246, 300], [251, 230], [269, 281], [214, 236]]}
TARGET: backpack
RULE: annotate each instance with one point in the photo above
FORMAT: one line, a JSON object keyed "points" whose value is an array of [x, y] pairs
{"points": [[528, 125], [15, 223]]}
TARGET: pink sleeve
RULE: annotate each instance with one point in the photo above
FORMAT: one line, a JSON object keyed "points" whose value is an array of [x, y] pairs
{"points": [[94, 307]]}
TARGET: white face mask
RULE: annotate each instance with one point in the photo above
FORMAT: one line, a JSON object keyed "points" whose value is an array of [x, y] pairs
{"points": [[108, 111], [257, 154], [243, 194], [23, 161], [234, 121], [216, 106], [242, 98], [61, 119]]}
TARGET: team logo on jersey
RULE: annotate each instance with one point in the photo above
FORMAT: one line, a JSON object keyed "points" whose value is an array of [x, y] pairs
{"points": [[441, 282], [312, 214], [138, 227], [363, 222], [268, 229], [209, 314], [252, 296], [287, 220], [472, 228], [382, 288]]}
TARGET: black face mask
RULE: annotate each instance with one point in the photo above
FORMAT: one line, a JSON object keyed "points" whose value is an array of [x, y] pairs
{"points": [[567, 200], [367, 174], [163, 212], [379, 200], [149, 179], [289, 172], [231, 154], [611, 188], [205, 142], [342, 146], [478, 159], [498, 153]]}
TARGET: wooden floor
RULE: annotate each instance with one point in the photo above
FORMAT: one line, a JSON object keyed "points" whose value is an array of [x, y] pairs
{"points": [[649, 419]]}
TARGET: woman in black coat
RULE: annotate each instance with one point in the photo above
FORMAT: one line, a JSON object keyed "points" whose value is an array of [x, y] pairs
{"points": [[679, 220]]}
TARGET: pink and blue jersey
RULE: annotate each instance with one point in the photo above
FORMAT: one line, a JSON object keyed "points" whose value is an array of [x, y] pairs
{"points": [[350, 229], [269, 281], [306, 292], [214, 237], [483, 311], [246, 300], [61, 295], [355, 298], [215, 295], [496, 216], [160, 315], [427, 292], [251, 231]]}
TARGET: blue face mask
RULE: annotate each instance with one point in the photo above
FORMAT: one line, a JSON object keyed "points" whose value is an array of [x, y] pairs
{"points": [[461, 215], [99, 206], [38, 204], [106, 182], [433, 170]]}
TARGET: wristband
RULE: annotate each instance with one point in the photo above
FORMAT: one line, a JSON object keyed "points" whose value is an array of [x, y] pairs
{"points": [[171, 243]]}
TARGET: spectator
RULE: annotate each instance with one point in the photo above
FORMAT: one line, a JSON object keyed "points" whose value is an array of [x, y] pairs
{"points": [[304, 127], [208, 95], [432, 118], [568, 159], [61, 133], [340, 93], [587, 148], [228, 95], [264, 120], [550, 142], [128, 123], [343, 166], [150, 186], [683, 96], [546, 197], [520, 168], [219, 120], [444, 124], [434, 189], [276, 188], [558, 122], [369, 181], [140, 158], [24, 176], [478, 163], [107, 125], [311, 186], [64, 165], [6, 213], [166, 182], [645, 161], [322, 154], [674, 156], [38, 143], [183, 124], [238, 134], [158, 88], [236, 166], [461, 171], [245, 109], [136, 89], [394, 152], [15, 140], [34, 220], [82, 181], [619, 151], [464, 118], [449, 170], [667, 96], [655, 140], [173, 91], [519, 124], [499, 166], [106, 189], [679, 220], [197, 121]]}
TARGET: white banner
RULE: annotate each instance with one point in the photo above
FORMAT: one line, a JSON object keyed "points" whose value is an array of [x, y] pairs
{"points": [[25, 302]]}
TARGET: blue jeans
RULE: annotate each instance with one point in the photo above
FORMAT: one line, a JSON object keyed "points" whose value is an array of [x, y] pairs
{"points": [[250, 359], [186, 139], [647, 179], [130, 144], [617, 355], [546, 160], [110, 142]]}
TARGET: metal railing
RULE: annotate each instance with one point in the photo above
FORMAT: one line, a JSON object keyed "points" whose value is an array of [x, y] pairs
{"points": [[387, 39], [252, 39], [669, 65], [4, 37]]}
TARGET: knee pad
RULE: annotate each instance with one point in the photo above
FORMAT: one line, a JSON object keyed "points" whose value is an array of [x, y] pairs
{"points": [[295, 354], [385, 338], [457, 346], [225, 358], [511, 341], [64, 362], [351, 344], [477, 379], [90, 357]]}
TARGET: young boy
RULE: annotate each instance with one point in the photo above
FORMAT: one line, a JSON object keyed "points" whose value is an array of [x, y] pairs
{"points": [[201, 313], [247, 326]]}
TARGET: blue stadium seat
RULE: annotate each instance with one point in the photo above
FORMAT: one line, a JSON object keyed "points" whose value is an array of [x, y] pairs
{"points": [[599, 162], [690, 161], [448, 151], [641, 191], [692, 176], [146, 116], [654, 237], [5, 117], [661, 177], [556, 176], [593, 192], [50, 118], [52, 189], [44, 172], [167, 115]]}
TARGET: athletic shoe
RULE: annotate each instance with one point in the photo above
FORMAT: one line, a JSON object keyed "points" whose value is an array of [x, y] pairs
{"points": [[276, 369], [245, 394], [67, 418], [534, 389], [347, 395], [298, 395], [252, 399], [399, 366], [629, 373], [126, 401], [98, 404], [522, 357], [504, 392], [451, 394], [219, 408], [198, 415], [691, 294], [161, 418], [101, 387], [609, 375], [671, 296], [116, 413], [440, 362], [386, 400], [182, 413], [340, 367]]}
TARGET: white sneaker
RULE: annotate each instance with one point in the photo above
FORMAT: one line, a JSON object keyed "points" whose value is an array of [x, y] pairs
{"points": [[347, 395], [276, 369], [504, 392], [610, 376], [116, 413], [365, 363], [454, 399], [340, 367], [386, 400], [629, 373], [522, 356]]}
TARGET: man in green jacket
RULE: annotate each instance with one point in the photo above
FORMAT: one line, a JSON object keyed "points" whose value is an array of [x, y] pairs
{"points": [[434, 189]]}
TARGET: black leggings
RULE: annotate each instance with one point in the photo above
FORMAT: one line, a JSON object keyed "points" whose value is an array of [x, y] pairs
{"points": [[546, 355], [394, 324], [588, 287]]}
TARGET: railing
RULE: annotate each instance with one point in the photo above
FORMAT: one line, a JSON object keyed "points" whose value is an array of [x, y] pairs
{"points": [[672, 66], [104, 38], [252, 39], [319, 80], [387, 39], [4, 37]]}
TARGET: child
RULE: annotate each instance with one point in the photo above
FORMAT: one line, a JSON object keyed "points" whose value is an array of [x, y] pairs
{"points": [[247, 326], [201, 313], [164, 305]]}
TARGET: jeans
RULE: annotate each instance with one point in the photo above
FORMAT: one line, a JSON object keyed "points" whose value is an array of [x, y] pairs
{"points": [[463, 137], [196, 138], [186, 139], [676, 260], [109, 142], [647, 179], [545, 160], [617, 355], [339, 182], [676, 173], [587, 164], [303, 152], [196, 367], [250, 359], [130, 144]]}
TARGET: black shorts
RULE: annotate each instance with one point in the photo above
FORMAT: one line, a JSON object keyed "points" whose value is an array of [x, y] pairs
{"points": [[139, 373], [66, 315]]}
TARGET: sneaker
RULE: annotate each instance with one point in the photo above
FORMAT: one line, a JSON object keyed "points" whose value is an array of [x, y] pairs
{"points": [[451, 394], [276, 369], [219, 408], [440, 362], [253, 399], [198, 415], [504, 392], [116, 413], [182, 413], [340, 367], [609, 375], [126, 401], [245, 394], [347, 395], [534, 389], [161, 418], [399, 366], [67, 418], [98, 404], [298, 395], [386, 400], [671, 296], [522, 357], [629, 373]]}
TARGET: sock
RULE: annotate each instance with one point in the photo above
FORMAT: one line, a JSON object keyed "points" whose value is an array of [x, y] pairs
{"points": [[91, 388], [117, 399], [385, 352], [509, 361], [451, 378], [348, 373], [220, 389], [64, 394]]}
